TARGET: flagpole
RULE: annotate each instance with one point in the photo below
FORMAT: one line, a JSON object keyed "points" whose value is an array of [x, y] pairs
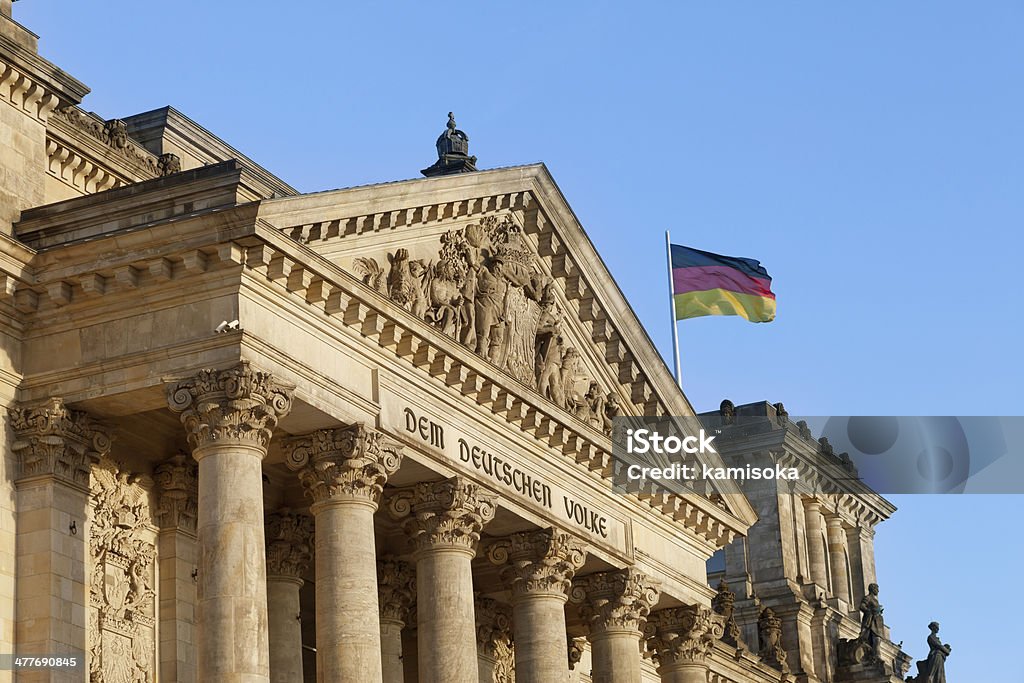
{"points": [[672, 308]]}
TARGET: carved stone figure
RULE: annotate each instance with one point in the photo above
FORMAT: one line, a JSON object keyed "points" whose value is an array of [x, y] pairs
{"points": [[728, 412], [571, 374], [933, 669], [168, 164], [611, 411], [549, 382], [872, 628], [406, 282], [116, 131], [373, 274]]}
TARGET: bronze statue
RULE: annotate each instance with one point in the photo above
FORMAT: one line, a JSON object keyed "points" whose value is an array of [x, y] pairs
{"points": [[872, 628], [933, 669]]}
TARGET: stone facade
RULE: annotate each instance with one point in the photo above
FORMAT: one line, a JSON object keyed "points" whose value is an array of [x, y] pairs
{"points": [[357, 436]]}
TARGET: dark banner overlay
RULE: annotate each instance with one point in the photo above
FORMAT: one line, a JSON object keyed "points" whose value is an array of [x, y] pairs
{"points": [[856, 454]]}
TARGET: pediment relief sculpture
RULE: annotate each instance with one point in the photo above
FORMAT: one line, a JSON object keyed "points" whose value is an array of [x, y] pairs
{"points": [[483, 287]]}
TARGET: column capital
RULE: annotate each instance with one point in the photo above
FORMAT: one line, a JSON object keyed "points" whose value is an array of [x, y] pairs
{"points": [[683, 635], [618, 600], [238, 405], [833, 521], [51, 440], [347, 464], [396, 590], [289, 538], [177, 485], [444, 514], [493, 627], [812, 504], [539, 563]]}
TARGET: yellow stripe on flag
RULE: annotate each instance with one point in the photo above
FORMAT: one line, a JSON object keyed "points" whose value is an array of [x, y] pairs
{"points": [[757, 309]]}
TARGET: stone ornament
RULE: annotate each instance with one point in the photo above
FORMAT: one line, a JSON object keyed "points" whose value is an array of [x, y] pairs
{"points": [[239, 405], [505, 664], [449, 513], [289, 539], [113, 133], [486, 290], [541, 562], [53, 440], [724, 604], [122, 566], [396, 590], [178, 486], [686, 634], [493, 626], [344, 464], [576, 648], [769, 631], [617, 600]]}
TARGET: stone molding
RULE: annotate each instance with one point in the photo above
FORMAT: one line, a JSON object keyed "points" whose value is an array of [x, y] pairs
{"points": [[617, 600], [683, 635], [52, 440], [538, 563], [493, 627], [289, 539], [345, 464], [177, 481], [576, 647], [238, 406], [445, 514], [396, 590], [19, 89]]}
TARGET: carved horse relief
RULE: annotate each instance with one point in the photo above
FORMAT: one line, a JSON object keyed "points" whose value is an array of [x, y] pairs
{"points": [[486, 291], [122, 598]]}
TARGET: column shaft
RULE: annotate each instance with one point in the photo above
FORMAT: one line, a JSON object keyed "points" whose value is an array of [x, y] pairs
{"points": [[285, 629], [445, 617], [837, 558], [538, 624], [178, 557], [815, 543], [684, 672], [616, 657], [233, 641], [347, 615], [391, 651]]}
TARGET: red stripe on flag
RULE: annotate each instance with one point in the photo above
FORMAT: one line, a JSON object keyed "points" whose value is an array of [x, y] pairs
{"points": [[700, 278]]}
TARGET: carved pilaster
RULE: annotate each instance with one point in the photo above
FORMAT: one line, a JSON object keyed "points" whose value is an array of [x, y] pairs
{"points": [[441, 514], [724, 604], [540, 562], [683, 634], [396, 590], [493, 627], [239, 405], [55, 441], [289, 537], [177, 485], [349, 463], [615, 601]]}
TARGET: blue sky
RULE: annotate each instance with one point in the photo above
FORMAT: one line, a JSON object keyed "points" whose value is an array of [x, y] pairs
{"points": [[868, 154]]}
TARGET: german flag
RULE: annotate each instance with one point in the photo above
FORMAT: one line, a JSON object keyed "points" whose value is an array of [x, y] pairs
{"points": [[711, 284]]}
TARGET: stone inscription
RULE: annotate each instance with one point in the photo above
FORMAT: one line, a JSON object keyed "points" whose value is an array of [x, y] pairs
{"points": [[504, 470]]}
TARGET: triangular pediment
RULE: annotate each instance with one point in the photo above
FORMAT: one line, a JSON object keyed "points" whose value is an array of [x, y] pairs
{"points": [[498, 261]]}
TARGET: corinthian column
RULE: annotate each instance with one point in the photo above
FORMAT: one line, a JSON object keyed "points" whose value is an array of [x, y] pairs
{"points": [[493, 638], [289, 540], [229, 416], [344, 471], [540, 568], [396, 590], [444, 520], [682, 640], [55, 448], [615, 605]]}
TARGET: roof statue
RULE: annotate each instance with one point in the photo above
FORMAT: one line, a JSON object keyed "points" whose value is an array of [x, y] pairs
{"points": [[452, 152]]}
